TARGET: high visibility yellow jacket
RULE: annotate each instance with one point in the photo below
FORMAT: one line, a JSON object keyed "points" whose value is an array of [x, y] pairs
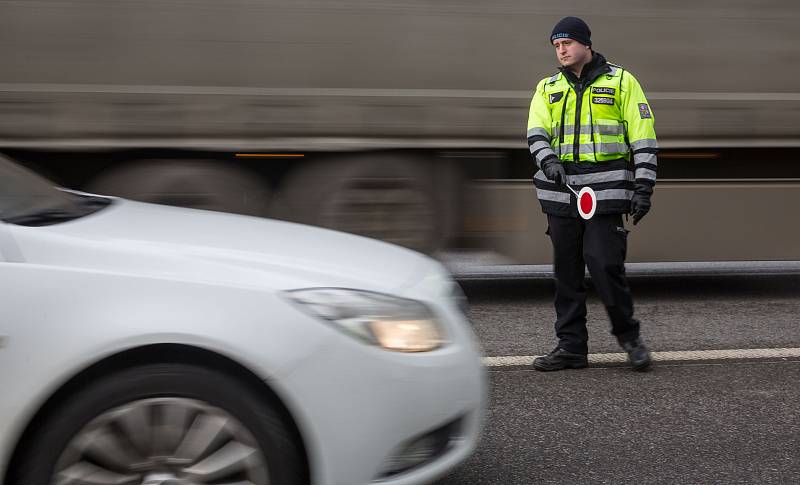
{"points": [[600, 126]]}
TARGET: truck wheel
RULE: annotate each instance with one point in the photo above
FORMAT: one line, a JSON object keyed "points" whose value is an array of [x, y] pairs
{"points": [[379, 196], [162, 424], [198, 184]]}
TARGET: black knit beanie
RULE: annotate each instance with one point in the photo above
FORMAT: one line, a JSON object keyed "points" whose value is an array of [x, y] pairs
{"points": [[572, 28]]}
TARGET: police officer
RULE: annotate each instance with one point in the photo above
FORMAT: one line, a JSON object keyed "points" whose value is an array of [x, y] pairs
{"points": [[590, 125]]}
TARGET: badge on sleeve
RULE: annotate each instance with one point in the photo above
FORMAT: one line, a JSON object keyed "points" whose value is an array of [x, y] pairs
{"points": [[644, 111], [554, 97]]}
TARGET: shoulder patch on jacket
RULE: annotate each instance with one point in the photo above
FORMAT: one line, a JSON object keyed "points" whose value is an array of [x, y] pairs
{"points": [[555, 97], [615, 68], [644, 111]]}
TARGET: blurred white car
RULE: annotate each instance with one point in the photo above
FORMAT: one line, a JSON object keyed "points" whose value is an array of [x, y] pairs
{"points": [[144, 344]]}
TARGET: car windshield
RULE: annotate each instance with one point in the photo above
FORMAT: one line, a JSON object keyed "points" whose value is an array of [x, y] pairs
{"points": [[29, 199]]}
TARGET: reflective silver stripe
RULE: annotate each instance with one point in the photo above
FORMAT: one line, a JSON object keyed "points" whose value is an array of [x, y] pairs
{"points": [[539, 145], [554, 78], [613, 70], [643, 173], [601, 129], [588, 148], [645, 158], [570, 129], [645, 143], [553, 196], [602, 148], [613, 194], [538, 131], [597, 178], [612, 147], [544, 154], [541, 176], [608, 129]]}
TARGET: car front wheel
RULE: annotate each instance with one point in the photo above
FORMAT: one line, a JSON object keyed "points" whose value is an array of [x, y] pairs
{"points": [[163, 424]]}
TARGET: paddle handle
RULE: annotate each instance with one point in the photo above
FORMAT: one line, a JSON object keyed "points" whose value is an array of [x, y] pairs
{"points": [[572, 190]]}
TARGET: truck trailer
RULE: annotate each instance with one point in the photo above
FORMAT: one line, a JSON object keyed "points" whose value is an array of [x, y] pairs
{"points": [[404, 120]]}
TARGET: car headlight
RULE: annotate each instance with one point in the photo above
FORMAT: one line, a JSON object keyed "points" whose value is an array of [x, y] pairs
{"points": [[390, 322]]}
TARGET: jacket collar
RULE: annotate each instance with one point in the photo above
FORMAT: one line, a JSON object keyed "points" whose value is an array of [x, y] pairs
{"points": [[596, 67]]}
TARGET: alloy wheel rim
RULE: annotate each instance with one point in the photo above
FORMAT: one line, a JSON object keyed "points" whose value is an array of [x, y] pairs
{"points": [[162, 441]]}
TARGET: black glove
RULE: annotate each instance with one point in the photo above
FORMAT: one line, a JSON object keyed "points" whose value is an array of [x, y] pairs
{"points": [[640, 202], [554, 170]]}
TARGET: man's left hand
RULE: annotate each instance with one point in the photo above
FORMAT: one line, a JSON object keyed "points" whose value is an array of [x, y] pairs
{"points": [[640, 202]]}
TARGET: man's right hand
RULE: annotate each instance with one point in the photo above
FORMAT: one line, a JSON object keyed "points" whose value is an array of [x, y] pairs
{"points": [[554, 170]]}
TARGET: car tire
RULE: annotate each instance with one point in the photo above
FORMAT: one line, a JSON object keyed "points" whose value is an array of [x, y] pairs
{"points": [[225, 418]]}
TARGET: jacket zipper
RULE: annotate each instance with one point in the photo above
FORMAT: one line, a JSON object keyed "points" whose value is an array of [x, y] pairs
{"points": [[579, 88]]}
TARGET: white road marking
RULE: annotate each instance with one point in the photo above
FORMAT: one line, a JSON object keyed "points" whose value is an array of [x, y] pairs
{"points": [[668, 356]]}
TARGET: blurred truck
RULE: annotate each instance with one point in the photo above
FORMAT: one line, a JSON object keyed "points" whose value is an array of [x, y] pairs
{"points": [[403, 120]]}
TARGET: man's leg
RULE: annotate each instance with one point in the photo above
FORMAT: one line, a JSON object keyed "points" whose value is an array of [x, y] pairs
{"points": [[566, 234], [605, 245]]}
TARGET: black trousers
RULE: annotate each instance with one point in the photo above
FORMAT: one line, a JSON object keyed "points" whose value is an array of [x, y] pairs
{"points": [[599, 244]]}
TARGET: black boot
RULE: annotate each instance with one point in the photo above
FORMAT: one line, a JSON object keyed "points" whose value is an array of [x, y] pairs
{"points": [[637, 354], [560, 359]]}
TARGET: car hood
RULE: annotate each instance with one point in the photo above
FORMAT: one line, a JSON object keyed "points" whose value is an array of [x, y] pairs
{"points": [[169, 242]]}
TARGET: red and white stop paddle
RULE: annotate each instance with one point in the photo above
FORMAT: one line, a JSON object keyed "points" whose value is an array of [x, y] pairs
{"points": [[587, 201]]}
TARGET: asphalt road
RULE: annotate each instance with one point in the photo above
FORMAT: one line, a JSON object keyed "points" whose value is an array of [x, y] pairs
{"points": [[701, 421]]}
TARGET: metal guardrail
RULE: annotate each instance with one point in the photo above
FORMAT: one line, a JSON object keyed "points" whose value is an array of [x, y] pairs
{"points": [[475, 271]]}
